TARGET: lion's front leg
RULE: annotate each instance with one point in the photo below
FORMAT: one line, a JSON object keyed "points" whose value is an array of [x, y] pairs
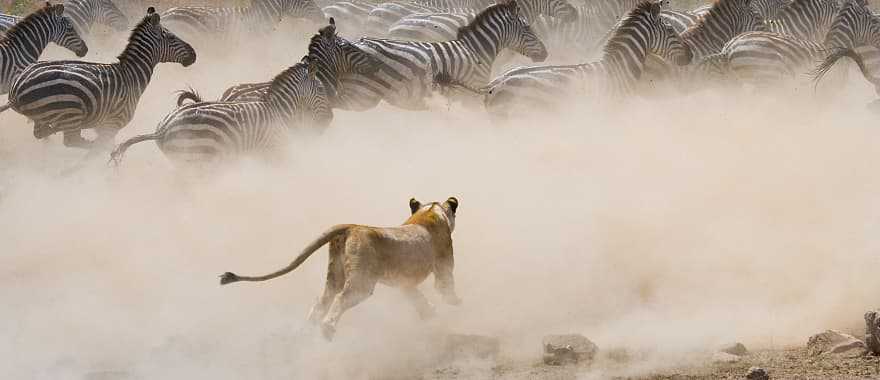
{"points": [[418, 299], [444, 281]]}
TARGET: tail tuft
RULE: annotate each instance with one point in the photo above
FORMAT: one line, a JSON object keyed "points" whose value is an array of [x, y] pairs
{"points": [[228, 278], [188, 94]]}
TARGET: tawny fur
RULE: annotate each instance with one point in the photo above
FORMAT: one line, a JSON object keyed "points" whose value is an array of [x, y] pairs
{"points": [[362, 256]]}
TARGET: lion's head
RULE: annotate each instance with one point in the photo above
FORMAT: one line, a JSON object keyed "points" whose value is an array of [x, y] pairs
{"points": [[433, 213]]}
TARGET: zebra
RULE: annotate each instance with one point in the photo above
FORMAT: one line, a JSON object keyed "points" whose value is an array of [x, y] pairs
{"points": [[853, 26], [766, 9], [764, 58], [70, 96], [208, 132], [679, 20], [22, 45], [350, 12], [438, 27], [615, 75], [805, 19], [259, 17], [255, 121], [871, 73], [406, 78], [724, 21], [83, 14], [334, 57]]}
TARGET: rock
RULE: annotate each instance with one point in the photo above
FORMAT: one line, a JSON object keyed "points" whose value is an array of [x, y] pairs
{"points": [[834, 342], [723, 357], [461, 346], [736, 348], [872, 331], [567, 349], [757, 373]]}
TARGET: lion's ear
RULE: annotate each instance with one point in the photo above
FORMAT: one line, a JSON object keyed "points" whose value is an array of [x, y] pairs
{"points": [[414, 205], [452, 204]]}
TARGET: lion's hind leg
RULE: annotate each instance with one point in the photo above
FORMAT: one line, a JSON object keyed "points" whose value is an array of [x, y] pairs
{"points": [[358, 286], [418, 299], [335, 281]]}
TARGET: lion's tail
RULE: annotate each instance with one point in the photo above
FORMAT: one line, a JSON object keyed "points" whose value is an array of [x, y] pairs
{"points": [[229, 277]]}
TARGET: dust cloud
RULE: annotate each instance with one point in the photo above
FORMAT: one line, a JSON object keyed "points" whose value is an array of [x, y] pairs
{"points": [[662, 225]]}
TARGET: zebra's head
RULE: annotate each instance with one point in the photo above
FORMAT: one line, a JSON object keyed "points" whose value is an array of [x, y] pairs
{"points": [[663, 40], [335, 56], [109, 14], [562, 10], [306, 9], [64, 34], [169, 47], [854, 25], [504, 23]]}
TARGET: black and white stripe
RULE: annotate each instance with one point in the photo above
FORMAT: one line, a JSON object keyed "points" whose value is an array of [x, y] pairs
{"points": [[83, 14], [351, 13], [724, 21], [69, 96], [211, 132], [806, 19], [221, 22], [438, 27], [679, 20], [543, 87], [333, 56], [765, 59], [853, 26], [407, 75], [22, 45]]}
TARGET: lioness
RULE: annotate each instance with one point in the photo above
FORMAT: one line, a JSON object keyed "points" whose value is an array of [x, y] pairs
{"points": [[361, 256]]}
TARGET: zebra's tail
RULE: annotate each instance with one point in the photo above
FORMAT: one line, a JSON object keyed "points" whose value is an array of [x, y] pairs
{"points": [[819, 72], [444, 81], [5, 106], [119, 151], [188, 94]]}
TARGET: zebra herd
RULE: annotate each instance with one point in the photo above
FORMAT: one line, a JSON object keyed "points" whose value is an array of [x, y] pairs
{"points": [[405, 52]]}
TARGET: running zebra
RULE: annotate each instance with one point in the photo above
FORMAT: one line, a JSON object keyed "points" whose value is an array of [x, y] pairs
{"points": [[260, 17], [615, 75], [209, 132], [724, 21], [765, 58], [352, 13], [22, 45], [407, 76], [334, 57], [806, 19], [438, 27], [256, 122], [83, 14], [70, 96]]}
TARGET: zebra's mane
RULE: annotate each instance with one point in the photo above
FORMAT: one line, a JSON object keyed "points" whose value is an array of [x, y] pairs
{"points": [[141, 28], [300, 69], [641, 9], [714, 12], [27, 20], [486, 13]]}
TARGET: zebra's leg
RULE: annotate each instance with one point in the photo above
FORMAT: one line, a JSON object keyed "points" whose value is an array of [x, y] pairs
{"points": [[74, 139]]}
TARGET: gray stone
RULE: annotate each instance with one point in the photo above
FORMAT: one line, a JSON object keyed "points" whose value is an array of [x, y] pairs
{"points": [[872, 331], [568, 349], [461, 346], [736, 348], [832, 342], [757, 373]]}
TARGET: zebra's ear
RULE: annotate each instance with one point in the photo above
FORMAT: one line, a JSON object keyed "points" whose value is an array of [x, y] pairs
{"points": [[656, 7], [332, 21], [153, 16], [151, 10]]}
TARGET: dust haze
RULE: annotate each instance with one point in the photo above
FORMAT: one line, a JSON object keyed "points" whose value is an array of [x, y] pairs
{"points": [[663, 226]]}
